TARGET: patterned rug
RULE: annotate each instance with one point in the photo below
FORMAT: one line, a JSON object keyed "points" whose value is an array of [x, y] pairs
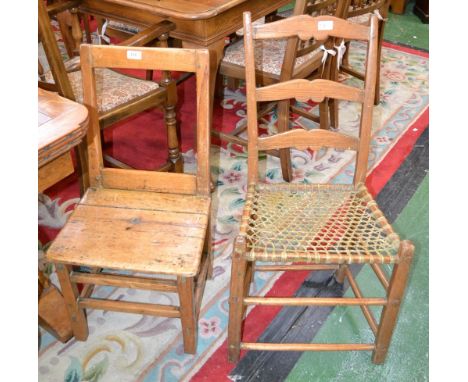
{"points": [[125, 347]]}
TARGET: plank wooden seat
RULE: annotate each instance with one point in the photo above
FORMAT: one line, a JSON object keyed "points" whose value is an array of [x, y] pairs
{"points": [[315, 226], [139, 230], [134, 228]]}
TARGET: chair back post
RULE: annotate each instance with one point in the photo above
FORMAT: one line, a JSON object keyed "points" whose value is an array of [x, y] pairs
{"points": [[53, 55], [123, 57], [250, 83], [320, 28], [368, 104]]}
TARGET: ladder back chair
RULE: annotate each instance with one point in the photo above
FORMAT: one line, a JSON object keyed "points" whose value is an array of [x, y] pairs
{"points": [[281, 60], [119, 95], [359, 12], [314, 226], [142, 222]]}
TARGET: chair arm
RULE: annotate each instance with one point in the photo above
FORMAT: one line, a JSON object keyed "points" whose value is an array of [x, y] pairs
{"points": [[149, 34]]}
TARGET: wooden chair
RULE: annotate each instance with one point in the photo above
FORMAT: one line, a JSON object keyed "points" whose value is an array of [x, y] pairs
{"points": [[359, 12], [321, 226], [120, 95], [282, 60], [155, 223]]}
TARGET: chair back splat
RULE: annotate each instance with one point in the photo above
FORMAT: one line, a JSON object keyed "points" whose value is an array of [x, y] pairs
{"points": [[306, 27], [95, 56]]}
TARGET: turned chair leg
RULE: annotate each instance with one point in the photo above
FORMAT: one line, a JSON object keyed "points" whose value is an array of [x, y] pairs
{"points": [[186, 290], [171, 127], [395, 294], [236, 296], [70, 294]]}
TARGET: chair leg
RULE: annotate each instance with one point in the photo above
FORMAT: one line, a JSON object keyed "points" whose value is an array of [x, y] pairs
{"points": [[235, 299], [171, 126], [186, 290], [323, 110], [395, 293], [379, 57], [284, 154], [70, 294], [232, 83], [340, 273], [207, 248]]}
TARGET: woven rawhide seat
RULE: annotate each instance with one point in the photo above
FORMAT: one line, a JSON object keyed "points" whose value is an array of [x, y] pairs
{"points": [[317, 223], [112, 88], [269, 55]]}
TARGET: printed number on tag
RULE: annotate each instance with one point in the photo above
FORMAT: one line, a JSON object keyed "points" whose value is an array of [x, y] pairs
{"points": [[133, 55], [326, 25]]}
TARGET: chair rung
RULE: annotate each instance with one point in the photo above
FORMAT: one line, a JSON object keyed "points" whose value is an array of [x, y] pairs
{"points": [[124, 281], [130, 307], [304, 301], [295, 267], [305, 347]]}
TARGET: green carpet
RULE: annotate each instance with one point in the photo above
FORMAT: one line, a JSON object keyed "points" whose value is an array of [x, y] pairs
{"points": [[407, 29], [408, 357], [404, 29]]}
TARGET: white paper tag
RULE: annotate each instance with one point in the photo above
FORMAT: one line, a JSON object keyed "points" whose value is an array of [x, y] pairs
{"points": [[134, 54], [326, 25]]}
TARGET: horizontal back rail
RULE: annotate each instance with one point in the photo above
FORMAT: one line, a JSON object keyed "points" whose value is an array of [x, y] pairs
{"points": [[120, 57], [303, 90], [313, 139], [125, 179], [306, 27]]}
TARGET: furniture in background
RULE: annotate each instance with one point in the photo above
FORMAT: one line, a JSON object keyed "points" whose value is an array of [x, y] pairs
{"points": [[133, 225], [199, 24], [359, 12], [62, 125], [119, 95], [315, 226], [421, 9], [398, 6], [282, 60]]}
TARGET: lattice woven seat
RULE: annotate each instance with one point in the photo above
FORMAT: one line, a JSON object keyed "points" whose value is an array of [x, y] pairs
{"points": [[317, 223], [113, 89]]}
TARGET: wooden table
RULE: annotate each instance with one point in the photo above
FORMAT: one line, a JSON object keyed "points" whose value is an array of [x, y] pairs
{"points": [[62, 125], [200, 23]]}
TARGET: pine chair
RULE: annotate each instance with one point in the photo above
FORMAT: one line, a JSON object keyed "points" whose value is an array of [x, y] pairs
{"points": [[130, 221], [120, 95], [321, 226], [359, 12], [282, 60]]}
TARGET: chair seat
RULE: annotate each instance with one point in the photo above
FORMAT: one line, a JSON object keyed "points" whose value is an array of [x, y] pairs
{"points": [[123, 27], [134, 230], [113, 88], [317, 223], [269, 55], [360, 19]]}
